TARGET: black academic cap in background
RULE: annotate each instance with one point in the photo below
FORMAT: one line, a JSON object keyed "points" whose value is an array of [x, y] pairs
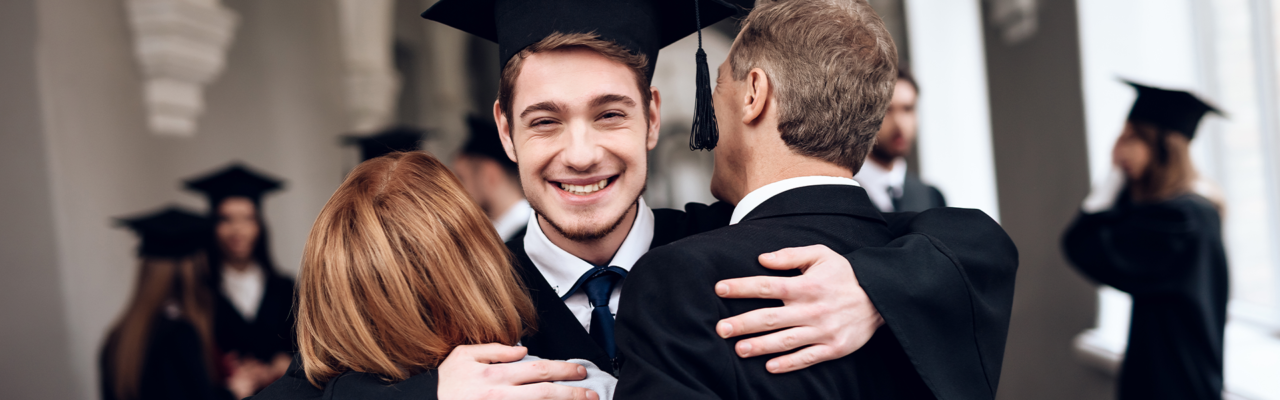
{"points": [[236, 180], [484, 141], [401, 138], [642, 26], [171, 232], [1173, 110]]}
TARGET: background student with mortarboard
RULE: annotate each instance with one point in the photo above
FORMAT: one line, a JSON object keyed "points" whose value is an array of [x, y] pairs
{"points": [[1151, 232], [492, 179], [390, 140], [254, 302], [162, 347], [789, 170]]}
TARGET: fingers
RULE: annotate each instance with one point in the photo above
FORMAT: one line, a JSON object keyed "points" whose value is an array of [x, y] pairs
{"points": [[762, 320], [755, 287], [778, 342], [802, 359], [536, 371], [492, 353], [796, 257], [548, 391]]}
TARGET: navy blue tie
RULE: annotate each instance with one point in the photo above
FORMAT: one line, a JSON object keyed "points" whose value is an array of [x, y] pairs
{"points": [[598, 284]]}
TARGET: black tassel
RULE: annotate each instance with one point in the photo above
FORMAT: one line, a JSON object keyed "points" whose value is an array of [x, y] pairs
{"points": [[705, 133]]}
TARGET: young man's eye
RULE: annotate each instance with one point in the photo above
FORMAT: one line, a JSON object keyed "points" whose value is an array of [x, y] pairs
{"points": [[612, 114]]}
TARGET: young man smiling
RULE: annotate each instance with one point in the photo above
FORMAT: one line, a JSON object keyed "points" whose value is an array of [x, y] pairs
{"points": [[576, 111]]}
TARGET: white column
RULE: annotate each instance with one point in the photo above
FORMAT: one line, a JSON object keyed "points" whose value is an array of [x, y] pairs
{"points": [[949, 62], [181, 46], [372, 83]]}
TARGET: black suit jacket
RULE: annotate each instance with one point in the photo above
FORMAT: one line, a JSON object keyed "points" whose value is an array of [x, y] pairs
{"points": [[668, 313]]}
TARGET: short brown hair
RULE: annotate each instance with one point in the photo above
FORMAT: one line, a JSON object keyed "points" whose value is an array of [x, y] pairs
{"points": [[833, 64], [401, 267], [637, 62]]}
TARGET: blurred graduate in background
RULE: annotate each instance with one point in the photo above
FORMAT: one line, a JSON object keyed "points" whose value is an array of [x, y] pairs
{"points": [[1150, 231], [884, 175], [253, 302], [400, 138], [492, 179], [163, 345]]}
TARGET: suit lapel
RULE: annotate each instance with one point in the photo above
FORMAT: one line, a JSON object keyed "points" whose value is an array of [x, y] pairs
{"points": [[558, 334]]}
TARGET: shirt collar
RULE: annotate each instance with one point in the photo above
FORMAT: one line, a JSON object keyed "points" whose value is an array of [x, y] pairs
{"points": [[562, 269], [879, 181], [516, 217], [764, 193]]}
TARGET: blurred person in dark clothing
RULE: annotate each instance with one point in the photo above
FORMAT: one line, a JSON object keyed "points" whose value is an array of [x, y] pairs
{"points": [[163, 346], [253, 302], [492, 179], [1147, 232], [390, 140], [885, 176]]}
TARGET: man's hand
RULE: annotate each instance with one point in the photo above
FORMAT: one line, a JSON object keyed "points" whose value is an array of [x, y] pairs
{"points": [[824, 309], [480, 372]]}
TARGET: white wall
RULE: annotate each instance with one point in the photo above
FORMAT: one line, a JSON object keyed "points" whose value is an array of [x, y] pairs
{"points": [[948, 60]]}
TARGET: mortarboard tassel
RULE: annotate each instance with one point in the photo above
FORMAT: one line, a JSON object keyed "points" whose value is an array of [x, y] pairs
{"points": [[705, 133]]}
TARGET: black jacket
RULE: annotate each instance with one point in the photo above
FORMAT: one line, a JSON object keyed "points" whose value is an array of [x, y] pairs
{"points": [[918, 196], [667, 316], [1170, 257]]}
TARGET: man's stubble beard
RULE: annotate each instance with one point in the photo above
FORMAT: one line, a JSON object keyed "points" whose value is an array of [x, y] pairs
{"points": [[586, 236]]}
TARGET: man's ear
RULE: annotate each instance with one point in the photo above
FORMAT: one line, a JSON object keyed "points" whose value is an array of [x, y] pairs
{"points": [[655, 118], [504, 131], [756, 99]]}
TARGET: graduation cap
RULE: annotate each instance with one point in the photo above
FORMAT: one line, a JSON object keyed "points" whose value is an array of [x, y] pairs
{"points": [[1173, 110], [641, 26], [484, 141], [171, 232], [235, 180], [400, 138]]}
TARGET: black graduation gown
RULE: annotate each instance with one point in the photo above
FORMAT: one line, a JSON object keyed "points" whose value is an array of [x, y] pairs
{"points": [[270, 332], [175, 366], [1170, 257], [918, 196], [667, 315]]}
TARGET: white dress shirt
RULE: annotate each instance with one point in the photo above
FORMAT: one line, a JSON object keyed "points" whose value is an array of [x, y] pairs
{"points": [[879, 181], [245, 289], [511, 221], [562, 269], [766, 192]]}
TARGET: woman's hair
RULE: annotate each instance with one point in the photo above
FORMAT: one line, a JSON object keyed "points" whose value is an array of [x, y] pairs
{"points": [[182, 281], [401, 267]]}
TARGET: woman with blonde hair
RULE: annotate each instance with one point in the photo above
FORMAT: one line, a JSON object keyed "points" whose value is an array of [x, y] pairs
{"points": [[400, 268], [1155, 236]]}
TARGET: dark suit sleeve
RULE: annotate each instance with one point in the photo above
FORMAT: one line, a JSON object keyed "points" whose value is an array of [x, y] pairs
{"points": [[666, 332], [945, 290], [1136, 250]]}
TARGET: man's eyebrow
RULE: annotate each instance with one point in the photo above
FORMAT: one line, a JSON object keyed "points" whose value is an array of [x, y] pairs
{"points": [[612, 98], [549, 106]]}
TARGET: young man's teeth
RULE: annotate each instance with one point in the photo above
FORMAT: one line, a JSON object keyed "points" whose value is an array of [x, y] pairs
{"points": [[585, 189]]}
